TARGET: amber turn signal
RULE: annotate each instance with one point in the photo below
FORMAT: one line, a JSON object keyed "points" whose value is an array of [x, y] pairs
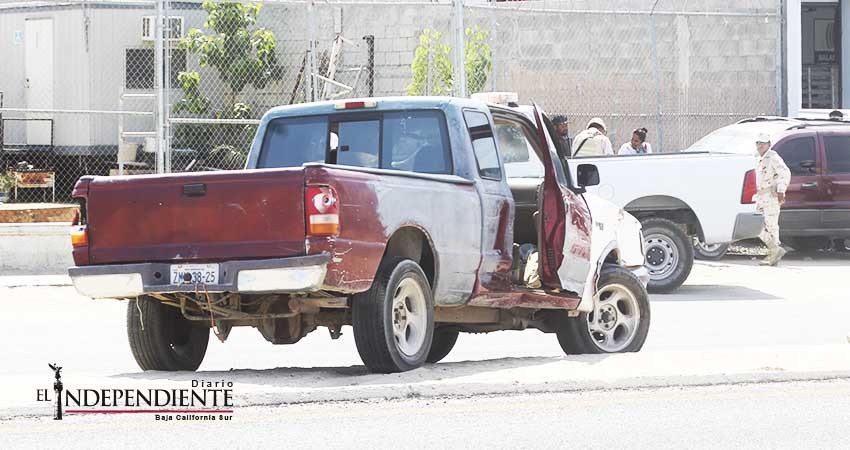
{"points": [[79, 236]]}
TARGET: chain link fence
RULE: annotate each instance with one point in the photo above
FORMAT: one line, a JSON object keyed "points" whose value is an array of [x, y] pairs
{"points": [[81, 93]]}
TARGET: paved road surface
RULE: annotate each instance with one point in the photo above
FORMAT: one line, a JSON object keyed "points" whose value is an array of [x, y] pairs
{"points": [[729, 308], [757, 416]]}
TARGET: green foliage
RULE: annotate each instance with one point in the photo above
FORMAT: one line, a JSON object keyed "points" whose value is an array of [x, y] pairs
{"points": [[432, 55], [432, 68], [242, 56], [7, 182], [478, 59]]}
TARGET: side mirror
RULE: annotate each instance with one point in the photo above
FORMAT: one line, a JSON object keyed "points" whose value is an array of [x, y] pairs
{"points": [[587, 175], [808, 165]]}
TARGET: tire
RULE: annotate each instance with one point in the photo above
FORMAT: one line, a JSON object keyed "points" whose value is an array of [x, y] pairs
{"points": [[162, 339], [669, 254], [626, 323], [387, 344], [443, 343], [709, 252]]}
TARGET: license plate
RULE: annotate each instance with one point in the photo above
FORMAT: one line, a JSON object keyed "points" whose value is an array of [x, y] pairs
{"points": [[194, 274]]}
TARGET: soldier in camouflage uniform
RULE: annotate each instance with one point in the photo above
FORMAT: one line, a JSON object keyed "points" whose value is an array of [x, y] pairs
{"points": [[773, 177]]}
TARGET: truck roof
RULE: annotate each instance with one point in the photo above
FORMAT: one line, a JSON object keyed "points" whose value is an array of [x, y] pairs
{"points": [[381, 104]]}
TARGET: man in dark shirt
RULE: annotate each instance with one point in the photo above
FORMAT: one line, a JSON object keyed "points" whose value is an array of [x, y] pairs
{"points": [[562, 130]]}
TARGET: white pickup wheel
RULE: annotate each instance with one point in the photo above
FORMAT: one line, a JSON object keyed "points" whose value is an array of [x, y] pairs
{"points": [[669, 254], [619, 323], [394, 320], [162, 339]]}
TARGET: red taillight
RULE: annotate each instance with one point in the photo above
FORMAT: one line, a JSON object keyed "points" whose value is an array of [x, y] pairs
{"points": [[321, 204], [749, 192], [79, 236]]}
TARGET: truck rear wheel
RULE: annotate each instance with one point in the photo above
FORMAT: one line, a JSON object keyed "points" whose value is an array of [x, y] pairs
{"points": [[443, 343], [162, 339], [669, 254], [394, 320], [623, 324]]}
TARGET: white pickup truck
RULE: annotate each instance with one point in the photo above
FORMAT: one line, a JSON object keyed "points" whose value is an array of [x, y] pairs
{"points": [[679, 198]]}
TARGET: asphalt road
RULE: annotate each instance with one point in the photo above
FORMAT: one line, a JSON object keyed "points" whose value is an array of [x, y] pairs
{"points": [[733, 306], [755, 416]]}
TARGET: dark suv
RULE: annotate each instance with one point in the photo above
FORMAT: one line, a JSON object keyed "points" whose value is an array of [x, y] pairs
{"points": [[816, 212]]}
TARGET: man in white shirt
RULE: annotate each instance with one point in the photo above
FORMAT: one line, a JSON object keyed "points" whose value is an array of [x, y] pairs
{"points": [[592, 141]]}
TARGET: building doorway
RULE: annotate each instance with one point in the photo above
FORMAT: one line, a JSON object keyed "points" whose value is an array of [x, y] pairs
{"points": [[821, 55]]}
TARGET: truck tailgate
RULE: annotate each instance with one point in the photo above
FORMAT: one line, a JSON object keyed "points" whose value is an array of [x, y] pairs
{"points": [[196, 217]]}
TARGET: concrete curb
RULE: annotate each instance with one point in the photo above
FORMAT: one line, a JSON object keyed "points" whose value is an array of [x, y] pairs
{"points": [[34, 248]]}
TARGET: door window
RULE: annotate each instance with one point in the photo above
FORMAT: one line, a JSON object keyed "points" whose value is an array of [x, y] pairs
{"points": [[837, 154], [483, 145], [798, 153]]}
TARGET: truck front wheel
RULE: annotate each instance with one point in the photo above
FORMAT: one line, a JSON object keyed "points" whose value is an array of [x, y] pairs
{"points": [[394, 320], [162, 339], [669, 254], [623, 322]]}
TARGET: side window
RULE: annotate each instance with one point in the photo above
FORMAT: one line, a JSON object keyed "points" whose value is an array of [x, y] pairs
{"points": [[356, 143], [416, 141], [837, 154], [520, 159], [483, 145], [796, 152]]}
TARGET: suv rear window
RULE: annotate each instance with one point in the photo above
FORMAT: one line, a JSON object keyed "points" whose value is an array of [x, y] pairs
{"points": [[413, 141]]}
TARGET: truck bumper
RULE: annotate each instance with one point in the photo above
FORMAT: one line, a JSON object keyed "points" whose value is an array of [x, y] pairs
{"points": [[747, 226], [280, 275]]}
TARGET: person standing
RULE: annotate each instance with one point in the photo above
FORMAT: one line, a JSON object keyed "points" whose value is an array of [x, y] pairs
{"points": [[773, 178], [562, 130], [593, 141], [638, 144]]}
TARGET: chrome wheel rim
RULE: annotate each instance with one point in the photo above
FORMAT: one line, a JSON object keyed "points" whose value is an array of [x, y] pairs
{"points": [[662, 256], [618, 321], [409, 317]]}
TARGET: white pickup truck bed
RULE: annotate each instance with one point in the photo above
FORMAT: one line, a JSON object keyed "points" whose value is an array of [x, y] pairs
{"points": [[699, 192]]}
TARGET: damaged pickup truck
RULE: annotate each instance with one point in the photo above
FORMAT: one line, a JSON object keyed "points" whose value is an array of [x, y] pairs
{"points": [[393, 215]]}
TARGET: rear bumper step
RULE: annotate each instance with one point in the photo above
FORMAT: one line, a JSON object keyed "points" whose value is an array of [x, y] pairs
{"points": [[280, 275]]}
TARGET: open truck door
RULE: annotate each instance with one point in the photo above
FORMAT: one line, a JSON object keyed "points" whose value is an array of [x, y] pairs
{"points": [[564, 228]]}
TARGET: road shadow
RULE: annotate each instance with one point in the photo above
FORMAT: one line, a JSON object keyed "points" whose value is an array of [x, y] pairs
{"points": [[331, 377], [714, 293]]}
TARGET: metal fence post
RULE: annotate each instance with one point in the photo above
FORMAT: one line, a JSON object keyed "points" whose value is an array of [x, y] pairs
{"points": [[310, 95], [158, 90], [166, 87], [657, 76], [459, 85]]}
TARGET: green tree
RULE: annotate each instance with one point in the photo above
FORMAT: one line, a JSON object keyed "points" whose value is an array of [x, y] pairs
{"points": [[243, 55], [432, 68]]}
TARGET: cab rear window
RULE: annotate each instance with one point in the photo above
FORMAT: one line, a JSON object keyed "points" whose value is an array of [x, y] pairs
{"points": [[414, 141]]}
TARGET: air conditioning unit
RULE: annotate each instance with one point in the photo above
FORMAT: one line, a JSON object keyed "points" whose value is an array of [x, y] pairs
{"points": [[175, 28]]}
